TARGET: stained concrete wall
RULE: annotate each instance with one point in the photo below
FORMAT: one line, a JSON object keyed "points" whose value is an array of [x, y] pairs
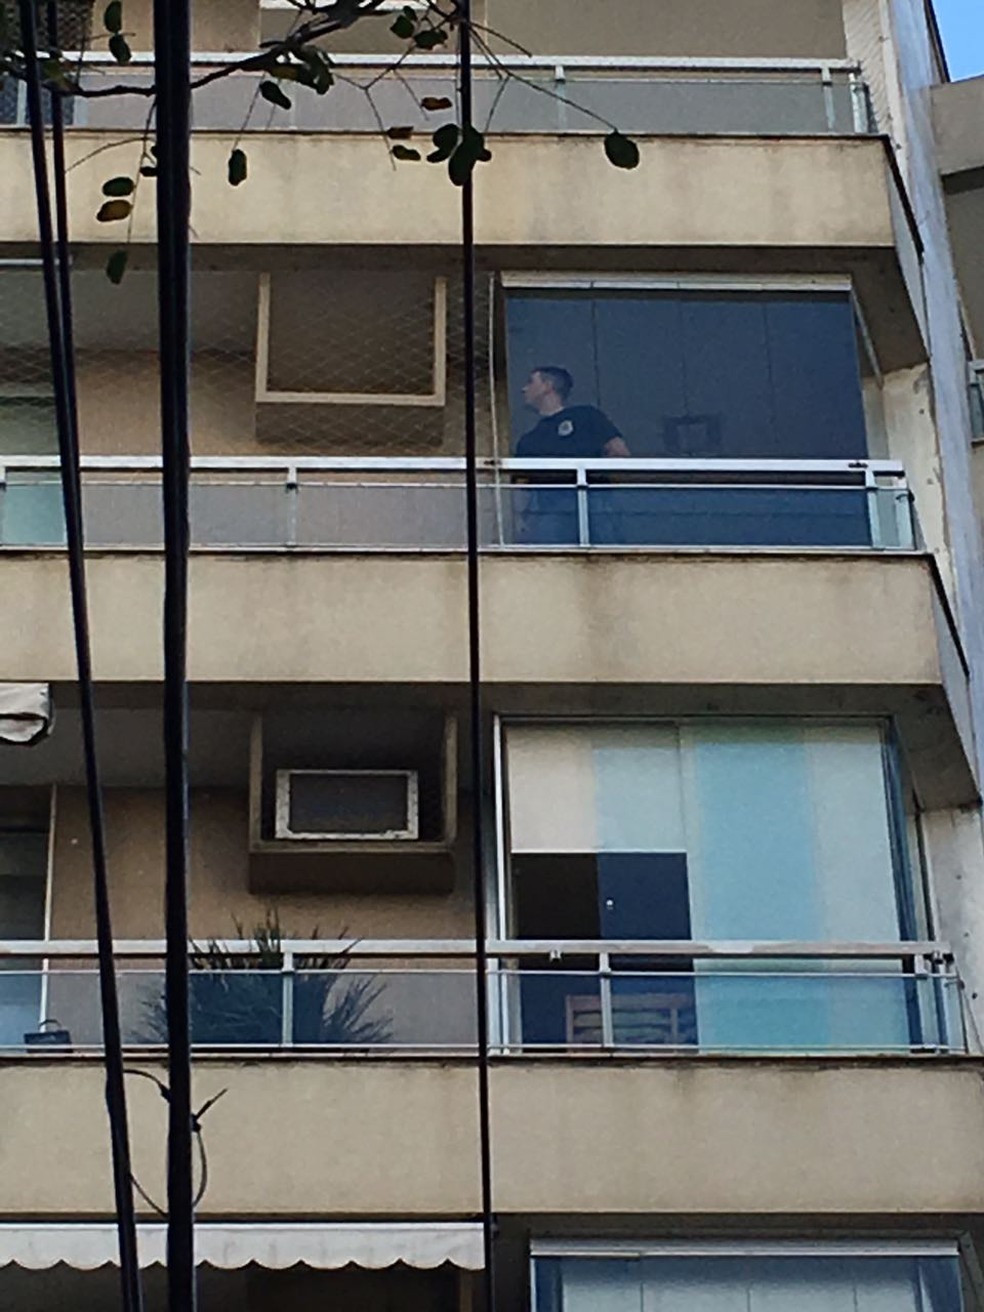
{"points": [[398, 1138]]}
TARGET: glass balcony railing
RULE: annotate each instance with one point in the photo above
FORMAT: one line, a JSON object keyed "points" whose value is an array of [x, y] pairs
{"points": [[518, 94], [645, 998], [418, 504]]}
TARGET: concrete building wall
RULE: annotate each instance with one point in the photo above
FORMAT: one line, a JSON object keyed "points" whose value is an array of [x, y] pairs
{"points": [[736, 619], [681, 1139], [337, 189], [914, 72], [762, 28], [219, 893]]}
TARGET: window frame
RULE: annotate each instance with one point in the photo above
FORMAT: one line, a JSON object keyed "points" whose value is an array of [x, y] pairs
{"points": [[436, 397], [587, 281], [908, 867], [875, 1248]]}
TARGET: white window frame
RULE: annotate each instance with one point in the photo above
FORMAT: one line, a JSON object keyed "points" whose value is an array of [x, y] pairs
{"points": [[709, 1250], [435, 398]]}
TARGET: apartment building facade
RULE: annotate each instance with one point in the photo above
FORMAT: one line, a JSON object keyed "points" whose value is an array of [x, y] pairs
{"points": [[733, 680]]}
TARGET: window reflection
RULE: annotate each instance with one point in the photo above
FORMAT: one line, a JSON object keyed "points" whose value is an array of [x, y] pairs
{"points": [[688, 375]]}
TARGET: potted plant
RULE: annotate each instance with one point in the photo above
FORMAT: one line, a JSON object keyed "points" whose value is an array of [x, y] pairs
{"points": [[237, 1000]]}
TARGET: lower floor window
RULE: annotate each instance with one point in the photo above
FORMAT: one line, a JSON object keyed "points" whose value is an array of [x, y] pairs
{"points": [[784, 1278]]}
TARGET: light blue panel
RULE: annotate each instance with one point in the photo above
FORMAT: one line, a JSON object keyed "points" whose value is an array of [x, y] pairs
{"points": [[753, 876], [20, 1006], [31, 515], [638, 794], [752, 835]]}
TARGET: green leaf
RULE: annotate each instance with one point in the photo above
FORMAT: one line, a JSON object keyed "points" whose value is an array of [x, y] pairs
{"points": [[402, 133], [116, 266], [430, 38], [111, 211], [270, 91], [621, 151], [404, 25], [471, 150], [113, 16], [119, 49], [319, 67], [445, 141], [54, 72], [118, 187], [435, 103], [148, 170], [405, 152], [238, 167]]}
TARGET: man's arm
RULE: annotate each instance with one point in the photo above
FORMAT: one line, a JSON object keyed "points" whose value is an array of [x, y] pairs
{"points": [[616, 449]]}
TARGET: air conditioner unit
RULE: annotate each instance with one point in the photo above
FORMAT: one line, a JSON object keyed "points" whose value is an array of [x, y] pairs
{"points": [[346, 805]]}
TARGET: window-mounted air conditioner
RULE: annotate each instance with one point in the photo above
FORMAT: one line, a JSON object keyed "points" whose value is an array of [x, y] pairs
{"points": [[346, 805]]}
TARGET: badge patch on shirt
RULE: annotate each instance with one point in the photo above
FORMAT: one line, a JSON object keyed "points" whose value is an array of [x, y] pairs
{"points": [[565, 427]]}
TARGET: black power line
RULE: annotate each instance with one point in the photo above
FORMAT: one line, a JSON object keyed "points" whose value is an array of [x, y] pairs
{"points": [[172, 61], [476, 709], [58, 304]]}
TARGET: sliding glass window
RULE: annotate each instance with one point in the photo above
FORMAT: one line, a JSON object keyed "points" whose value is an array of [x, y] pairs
{"points": [[703, 375], [814, 1278], [712, 831]]}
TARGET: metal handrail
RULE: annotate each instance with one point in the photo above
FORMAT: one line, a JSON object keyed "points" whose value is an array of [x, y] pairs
{"points": [[464, 949], [855, 470], [546, 63]]}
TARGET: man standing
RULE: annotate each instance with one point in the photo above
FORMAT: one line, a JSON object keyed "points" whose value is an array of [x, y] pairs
{"points": [[579, 432], [574, 432]]}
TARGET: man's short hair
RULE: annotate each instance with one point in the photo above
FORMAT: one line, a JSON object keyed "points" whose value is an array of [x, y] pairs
{"points": [[560, 380]]}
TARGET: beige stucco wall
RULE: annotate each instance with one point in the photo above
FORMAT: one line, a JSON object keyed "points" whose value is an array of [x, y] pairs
{"points": [[219, 895], [763, 28], [399, 1138], [311, 188], [217, 25], [689, 619]]}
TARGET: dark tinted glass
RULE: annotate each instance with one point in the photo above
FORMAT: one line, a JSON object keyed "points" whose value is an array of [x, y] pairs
{"points": [[700, 375]]}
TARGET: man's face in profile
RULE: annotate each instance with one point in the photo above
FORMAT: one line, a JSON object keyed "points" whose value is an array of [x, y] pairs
{"points": [[535, 390]]}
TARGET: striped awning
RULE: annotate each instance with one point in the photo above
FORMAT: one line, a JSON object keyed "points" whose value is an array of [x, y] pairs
{"points": [[230, 1245]]}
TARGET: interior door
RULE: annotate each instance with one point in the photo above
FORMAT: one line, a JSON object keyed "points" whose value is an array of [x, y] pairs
{"points": [[644, 895]]}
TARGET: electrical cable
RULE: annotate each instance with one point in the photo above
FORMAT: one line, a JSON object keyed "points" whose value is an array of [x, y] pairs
{"points": [[172, 64], [56, 277], [476, 710]]}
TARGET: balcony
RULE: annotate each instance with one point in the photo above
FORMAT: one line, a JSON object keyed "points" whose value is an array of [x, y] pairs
{"points": [[417, 504], [787, 143], [821, 1123], [521, 94], [641, 1000]]}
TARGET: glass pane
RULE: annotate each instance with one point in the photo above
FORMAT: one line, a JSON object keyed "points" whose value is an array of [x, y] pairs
{"points": [[686, 375], [827, 1283], [735, 516]]}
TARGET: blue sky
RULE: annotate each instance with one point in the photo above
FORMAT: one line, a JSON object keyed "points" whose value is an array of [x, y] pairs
{"points": [[962, 25]]}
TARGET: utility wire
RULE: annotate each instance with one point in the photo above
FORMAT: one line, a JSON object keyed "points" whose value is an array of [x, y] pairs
{"points": [[172, 63], [476, 710], [58, 304]]}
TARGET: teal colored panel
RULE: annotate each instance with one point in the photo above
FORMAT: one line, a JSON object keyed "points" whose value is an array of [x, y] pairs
{"points": [[753, 877], [753, 874], [637, 790], [31, 515]]}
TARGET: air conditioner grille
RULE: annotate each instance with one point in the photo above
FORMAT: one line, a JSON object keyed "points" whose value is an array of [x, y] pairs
{"points": [[337, 804]]}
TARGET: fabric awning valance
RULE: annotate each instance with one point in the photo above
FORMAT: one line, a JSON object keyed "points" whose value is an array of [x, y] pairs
{"points": [[230, 1245]]}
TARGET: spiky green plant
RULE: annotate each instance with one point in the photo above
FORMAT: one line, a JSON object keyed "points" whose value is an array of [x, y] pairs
{"points": [[238, 1000]]}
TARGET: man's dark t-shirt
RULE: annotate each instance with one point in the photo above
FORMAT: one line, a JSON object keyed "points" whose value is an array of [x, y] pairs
{"points": [[579, 432]]}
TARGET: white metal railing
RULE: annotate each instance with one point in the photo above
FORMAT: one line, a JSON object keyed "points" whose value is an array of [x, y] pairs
{"points": [[642, 94], [392, 996], [381, 503]]}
